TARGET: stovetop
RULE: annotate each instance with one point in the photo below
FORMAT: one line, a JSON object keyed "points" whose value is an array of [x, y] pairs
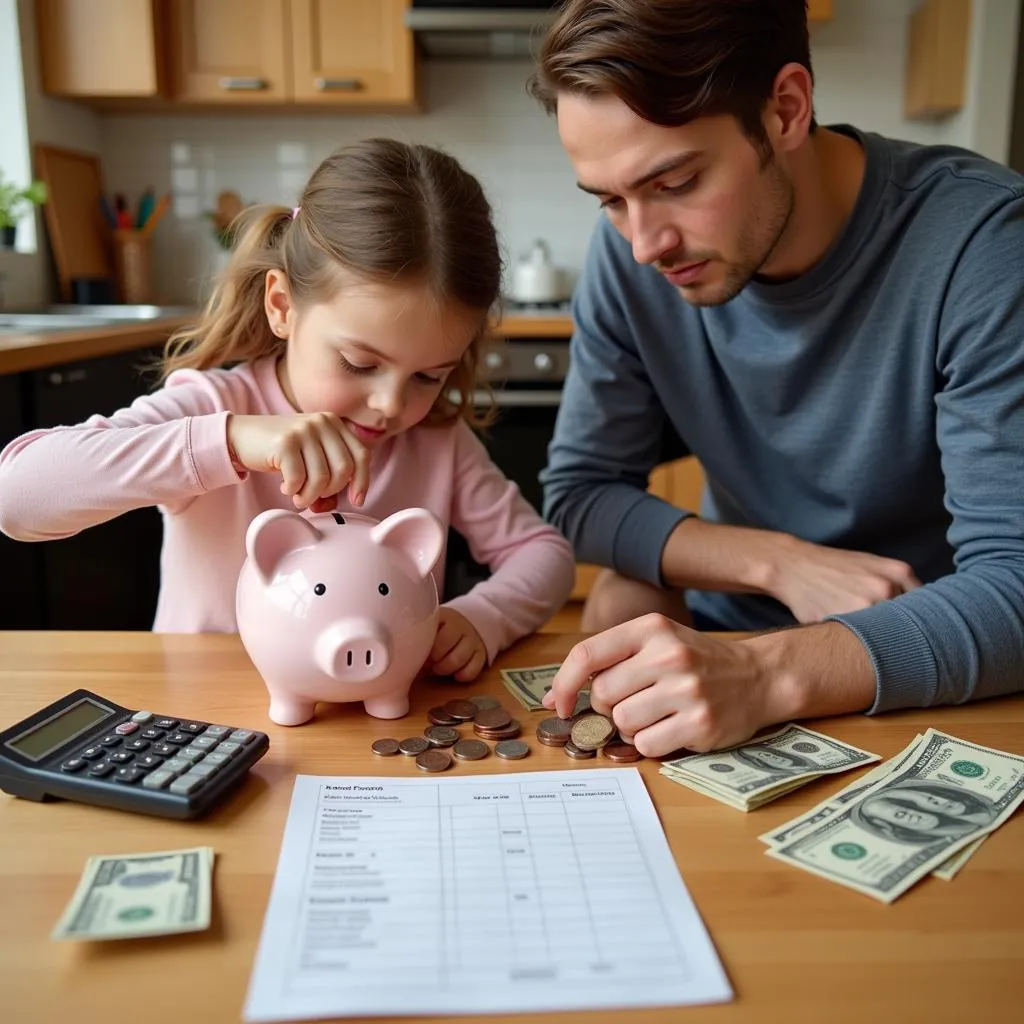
{"points": [[513, 308]]}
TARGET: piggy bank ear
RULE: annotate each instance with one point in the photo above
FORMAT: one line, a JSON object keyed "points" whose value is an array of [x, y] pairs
{"points": [[274, 534], [416, 533]]}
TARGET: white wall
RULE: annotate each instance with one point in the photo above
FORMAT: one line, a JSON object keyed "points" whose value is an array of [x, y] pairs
{"points": [[481, 114]]}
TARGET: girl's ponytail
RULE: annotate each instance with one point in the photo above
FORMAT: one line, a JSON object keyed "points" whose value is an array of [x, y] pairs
{"points": [[233, 327]]}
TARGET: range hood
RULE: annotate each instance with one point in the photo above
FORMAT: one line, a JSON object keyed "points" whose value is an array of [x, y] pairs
{"points": [[453, 30]]}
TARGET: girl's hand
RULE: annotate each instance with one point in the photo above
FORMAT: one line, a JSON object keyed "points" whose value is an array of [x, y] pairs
{"points": [[315, 453], [458, 650]]}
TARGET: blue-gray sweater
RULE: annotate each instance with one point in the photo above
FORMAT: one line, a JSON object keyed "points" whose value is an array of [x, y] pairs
{"points": [[876, 403]]}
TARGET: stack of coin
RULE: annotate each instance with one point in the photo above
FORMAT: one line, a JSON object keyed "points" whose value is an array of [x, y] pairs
{"points": [[583, 735]]}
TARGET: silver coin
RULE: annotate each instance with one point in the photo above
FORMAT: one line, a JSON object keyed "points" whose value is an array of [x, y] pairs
{"points": [[512, 750]]}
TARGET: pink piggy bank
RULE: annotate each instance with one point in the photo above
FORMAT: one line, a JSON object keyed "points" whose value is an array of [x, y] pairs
{"points": [[338, 608]]}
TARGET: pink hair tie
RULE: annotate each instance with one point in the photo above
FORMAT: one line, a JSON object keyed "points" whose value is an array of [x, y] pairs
{"points": [[295, 211]]}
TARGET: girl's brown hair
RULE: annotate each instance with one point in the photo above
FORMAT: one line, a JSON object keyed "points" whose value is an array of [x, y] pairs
{"points": [[672, 61], [388, 212]]}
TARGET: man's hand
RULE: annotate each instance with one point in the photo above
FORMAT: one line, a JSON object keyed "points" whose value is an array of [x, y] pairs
{"points": [[815, 581], [668, 686], [458, 650]]}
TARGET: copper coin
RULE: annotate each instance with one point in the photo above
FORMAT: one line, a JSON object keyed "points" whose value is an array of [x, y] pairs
{"points": [[573, 751], [470, 750], [485, 703], [385, 748], [413, 745], [554, 731], [434, 761], [493, 718], [439, 716], [591, 731], [622, 752], [441, 735], [512, 750], [510, 732], [461, 710]]}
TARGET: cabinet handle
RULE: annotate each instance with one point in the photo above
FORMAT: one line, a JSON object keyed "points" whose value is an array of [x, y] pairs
{"points": [[56, 378], [233, 84], [338, 84]]}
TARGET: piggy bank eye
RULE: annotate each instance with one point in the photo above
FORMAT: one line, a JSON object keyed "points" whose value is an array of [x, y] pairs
{"points": [[319, 590], [383, 590]]}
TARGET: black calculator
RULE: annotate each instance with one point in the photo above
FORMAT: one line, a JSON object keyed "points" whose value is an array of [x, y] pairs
{"points": [[86, 748]]}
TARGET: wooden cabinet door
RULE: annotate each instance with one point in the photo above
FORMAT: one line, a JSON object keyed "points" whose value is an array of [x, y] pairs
{"points": [[352, 53], [99, 48], [819, 10], [229, 51]]}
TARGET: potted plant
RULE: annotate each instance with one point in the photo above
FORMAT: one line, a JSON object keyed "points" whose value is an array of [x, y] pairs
{"points": [[14, 203]]}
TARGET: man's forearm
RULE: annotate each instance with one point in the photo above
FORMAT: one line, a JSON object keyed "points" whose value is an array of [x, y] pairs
{"points": [[813, 671], [707, 556]]}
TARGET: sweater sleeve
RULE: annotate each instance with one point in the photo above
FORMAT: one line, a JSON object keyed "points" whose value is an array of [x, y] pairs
{"points": [[165, 449], [609, 433], [531, 563], [961, 637]]}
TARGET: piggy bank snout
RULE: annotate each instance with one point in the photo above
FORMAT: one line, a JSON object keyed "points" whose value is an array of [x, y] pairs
{"points": [[353, 650]]}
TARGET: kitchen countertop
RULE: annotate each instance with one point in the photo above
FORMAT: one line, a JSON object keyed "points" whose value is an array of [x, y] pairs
{"points": [[28, 351]]}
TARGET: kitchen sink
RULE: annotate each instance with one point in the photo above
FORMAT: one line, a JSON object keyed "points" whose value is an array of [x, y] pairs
{"points": [[67, 317]]}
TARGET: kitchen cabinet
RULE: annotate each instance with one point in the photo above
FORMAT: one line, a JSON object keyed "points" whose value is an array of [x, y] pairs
{"points": [[938, 38], [99, 48], [229, 53], [820, 10], [108, 576]]}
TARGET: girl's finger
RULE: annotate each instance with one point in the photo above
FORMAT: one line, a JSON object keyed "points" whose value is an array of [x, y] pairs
{"points": [[473, 667], [359, 483], [317, 473], [458, 657]]}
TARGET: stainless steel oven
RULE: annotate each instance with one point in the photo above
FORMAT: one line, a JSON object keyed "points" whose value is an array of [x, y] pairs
{"points": [[527, 375]]}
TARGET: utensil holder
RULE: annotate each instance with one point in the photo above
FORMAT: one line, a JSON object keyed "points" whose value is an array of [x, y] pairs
{"points": [[133, 267]]}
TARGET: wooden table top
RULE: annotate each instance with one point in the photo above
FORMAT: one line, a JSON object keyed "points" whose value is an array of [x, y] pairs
{"points": [[795, 947]]}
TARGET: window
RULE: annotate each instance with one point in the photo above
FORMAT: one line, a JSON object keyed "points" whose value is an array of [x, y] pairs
{"points": [[15, 158]]}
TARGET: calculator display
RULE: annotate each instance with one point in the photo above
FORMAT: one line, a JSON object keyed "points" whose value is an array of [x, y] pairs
{"points": [[38, 742]]}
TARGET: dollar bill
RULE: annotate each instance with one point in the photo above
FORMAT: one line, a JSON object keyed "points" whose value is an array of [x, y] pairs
{"points": [[751, 774], [528, 686], [941, 797], [835, 803], [141, 894]]}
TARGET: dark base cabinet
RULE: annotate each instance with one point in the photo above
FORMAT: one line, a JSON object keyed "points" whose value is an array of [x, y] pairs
{"points": [[106, 577]]}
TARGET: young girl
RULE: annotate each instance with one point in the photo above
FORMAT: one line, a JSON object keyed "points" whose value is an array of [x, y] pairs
{"points": [[346, 324]]}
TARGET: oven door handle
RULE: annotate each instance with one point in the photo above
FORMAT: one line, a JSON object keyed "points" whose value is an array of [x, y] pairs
{"points": [[519, 399]]}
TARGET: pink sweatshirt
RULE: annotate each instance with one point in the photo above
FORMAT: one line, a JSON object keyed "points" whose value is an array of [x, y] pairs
{"points": [[170, 449]]}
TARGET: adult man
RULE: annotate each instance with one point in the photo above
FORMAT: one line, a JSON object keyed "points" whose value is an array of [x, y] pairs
{"points": [[832, 322]]}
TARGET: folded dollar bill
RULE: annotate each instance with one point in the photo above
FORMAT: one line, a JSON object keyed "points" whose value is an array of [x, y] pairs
{"points": [[141, 894], [919, 813], [751, 774]]}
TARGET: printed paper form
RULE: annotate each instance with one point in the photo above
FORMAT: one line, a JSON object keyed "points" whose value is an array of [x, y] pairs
{"points": [[482, 894]]}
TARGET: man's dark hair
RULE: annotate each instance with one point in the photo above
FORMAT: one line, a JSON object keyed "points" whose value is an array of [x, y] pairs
{"points": [[672, 61]]}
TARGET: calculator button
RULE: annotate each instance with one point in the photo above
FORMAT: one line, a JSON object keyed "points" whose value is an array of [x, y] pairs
{"points": [[216, 758], [149, 761], [191, 754], [129, 773], [152, 734], [125, 728], [166, 723], [242, 735], [179, 738], [110, 740], [193, 727], [205, 742], [217, 730], [204, 770], [121, 757], [73, 764], [229, 747], [186, 783], [142, 717], [177, 765], [101, 768], [165, 750], [137, 745], [157, 779], [91, 753]]}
